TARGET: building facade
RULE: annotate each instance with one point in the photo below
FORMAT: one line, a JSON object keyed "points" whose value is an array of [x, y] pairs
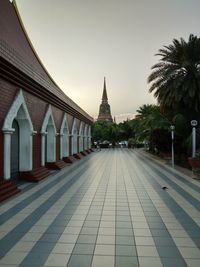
{"points": [[40, 127], [104, 108]]}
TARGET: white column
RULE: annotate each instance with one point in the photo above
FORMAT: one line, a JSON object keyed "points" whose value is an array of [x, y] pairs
{"points": [[72, 144], [193, 142], [43, 148], [85, 143], [61, 146], [7, 153]]}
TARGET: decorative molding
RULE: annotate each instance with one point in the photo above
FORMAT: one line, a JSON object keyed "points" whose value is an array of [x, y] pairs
{"points": [[74, 128], [47, 117], [81, 129], [34, 132], [64, 124], [12, 113], [86, 130]]}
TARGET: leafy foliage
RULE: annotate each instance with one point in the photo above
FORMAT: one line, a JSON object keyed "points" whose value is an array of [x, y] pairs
{"points": [[161, 139], [175, 80]]}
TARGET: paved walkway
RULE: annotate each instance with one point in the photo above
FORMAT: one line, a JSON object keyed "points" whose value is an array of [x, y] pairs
{"points": [[108, 209]]}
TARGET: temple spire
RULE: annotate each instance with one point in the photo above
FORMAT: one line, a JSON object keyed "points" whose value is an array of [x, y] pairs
{"points": [[104, 109], [104, 96]]}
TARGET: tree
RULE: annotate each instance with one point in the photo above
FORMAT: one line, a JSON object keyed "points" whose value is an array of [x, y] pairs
{"points": [[175, 80], [149, 118]]}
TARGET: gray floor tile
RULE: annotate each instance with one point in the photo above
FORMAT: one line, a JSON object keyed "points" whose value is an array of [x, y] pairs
{"points": [[120, 218], [91, 224], [160, 232], [124, 225], [106, 239], [87, 249], [169, 262], [103, 261], [164, 241], [125, 240], [124, 232], [168, 252], [56, 260], [150, 262], [86, 239], [104, 249], [89, 231], [122, 250], [122, 261], [80, 260], [93, 217]]}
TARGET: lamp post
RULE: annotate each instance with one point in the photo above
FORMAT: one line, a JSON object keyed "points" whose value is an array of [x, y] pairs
{"points": [[194, 124], [172, 135]]}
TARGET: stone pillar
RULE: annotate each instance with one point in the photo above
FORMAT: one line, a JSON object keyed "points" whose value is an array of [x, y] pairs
{"points": [[61, 146], [7, 153]]}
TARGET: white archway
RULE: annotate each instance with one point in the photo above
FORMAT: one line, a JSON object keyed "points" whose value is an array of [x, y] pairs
{"points": [[74, 137], [81, 134], [85, 137], [64, 138], [19, 112], [48, 141]]}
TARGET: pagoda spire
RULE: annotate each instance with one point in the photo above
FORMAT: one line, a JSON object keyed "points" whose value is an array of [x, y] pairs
{"points": [[104, 96], [104, 108]]}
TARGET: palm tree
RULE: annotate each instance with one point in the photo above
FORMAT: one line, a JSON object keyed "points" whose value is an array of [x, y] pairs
{"points": [[175, 80], [149, 118]]}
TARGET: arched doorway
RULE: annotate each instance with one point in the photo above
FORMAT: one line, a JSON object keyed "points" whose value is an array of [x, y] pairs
{"points": [[64, 138], [48, 141], [81, 134], [15, 151], [85, 137], [18, 130]]}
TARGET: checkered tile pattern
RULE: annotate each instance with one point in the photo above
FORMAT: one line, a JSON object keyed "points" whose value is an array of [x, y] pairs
{"points": [[109, 210]]}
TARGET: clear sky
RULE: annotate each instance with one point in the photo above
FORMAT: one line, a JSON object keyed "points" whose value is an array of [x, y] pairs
{"points": [[81, 41]]}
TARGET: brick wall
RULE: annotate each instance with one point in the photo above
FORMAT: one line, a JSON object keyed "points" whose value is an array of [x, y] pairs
{"points": [[37, 109]]}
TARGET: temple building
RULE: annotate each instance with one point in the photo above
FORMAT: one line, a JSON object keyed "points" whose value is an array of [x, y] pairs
{"points": [[104, 109], [41, 128]]}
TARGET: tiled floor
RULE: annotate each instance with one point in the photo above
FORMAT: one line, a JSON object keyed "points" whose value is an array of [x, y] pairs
{"points": [[109, 210]]}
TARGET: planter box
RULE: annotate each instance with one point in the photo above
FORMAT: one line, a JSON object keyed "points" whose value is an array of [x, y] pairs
{"points": [[165, 155], [194, 163]]}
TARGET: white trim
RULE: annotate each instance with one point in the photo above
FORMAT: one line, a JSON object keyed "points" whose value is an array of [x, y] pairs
{"points": [[12, 114], [85, 137], [48, 116], [64, 138], [48, 131], [81, 136], [18, 111]]}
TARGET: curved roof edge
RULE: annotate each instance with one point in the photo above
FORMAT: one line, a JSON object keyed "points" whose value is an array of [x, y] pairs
{"points": [[14, 3]]}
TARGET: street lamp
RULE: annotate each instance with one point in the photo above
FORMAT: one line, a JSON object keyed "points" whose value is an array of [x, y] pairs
{"points": [[194, 124], [172, 135]]}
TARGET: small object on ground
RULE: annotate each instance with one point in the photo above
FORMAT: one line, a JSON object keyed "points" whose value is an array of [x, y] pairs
{"points": [[164, 187]]}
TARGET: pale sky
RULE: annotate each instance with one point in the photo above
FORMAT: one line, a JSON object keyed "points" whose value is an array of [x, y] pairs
{"points": [[81, 41]]}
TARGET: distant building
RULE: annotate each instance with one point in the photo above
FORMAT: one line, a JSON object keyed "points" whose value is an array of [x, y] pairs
{"points": [[104, 109]]}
